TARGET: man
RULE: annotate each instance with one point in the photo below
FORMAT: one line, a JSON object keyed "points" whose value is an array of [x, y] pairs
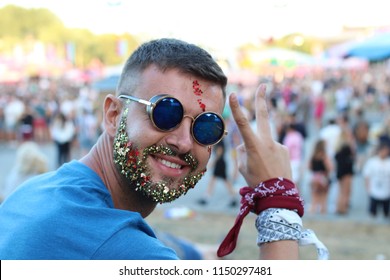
{"points": [[158, 133]]}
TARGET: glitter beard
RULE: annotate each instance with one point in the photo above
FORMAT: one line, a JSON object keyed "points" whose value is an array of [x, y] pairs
{"points": [[134, 167]]}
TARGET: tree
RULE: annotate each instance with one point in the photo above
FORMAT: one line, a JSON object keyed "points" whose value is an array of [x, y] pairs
{"points": [[24, 27], [16, 22]]}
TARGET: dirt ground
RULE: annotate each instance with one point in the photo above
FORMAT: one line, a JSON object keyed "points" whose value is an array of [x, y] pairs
{"points": [[345, 239]]}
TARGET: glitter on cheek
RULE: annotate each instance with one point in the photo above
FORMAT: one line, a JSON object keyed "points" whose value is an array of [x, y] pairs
{"points": [[132, 157], [127, 155], [198, 92]]}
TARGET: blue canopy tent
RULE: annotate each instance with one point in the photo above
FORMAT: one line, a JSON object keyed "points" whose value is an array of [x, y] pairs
{"points": [[376, 48], [107, 84]]}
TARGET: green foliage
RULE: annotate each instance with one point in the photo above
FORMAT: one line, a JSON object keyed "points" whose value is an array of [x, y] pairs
{"points": [[16, 22], [22, 27]]}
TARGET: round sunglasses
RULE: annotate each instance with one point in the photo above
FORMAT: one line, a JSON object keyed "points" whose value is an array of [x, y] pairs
{"points": [[166, 113]]}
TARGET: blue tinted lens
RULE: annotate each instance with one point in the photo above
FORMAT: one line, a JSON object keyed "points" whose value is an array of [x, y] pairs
{"points": [[208, 128], [168, 113]]}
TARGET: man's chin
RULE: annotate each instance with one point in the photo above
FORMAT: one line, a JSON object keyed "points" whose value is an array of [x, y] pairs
{"points": [[168, 189], [160, 192]]}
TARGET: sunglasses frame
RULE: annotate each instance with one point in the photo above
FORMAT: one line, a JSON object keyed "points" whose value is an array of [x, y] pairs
{"points": [[152, 103]]}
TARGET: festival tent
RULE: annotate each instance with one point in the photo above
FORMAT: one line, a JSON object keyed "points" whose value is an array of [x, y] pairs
{"points": [[375, 48], [328, 61], [107, 84], [110, 79], [281, 57], [339, 51], [104, 86]]}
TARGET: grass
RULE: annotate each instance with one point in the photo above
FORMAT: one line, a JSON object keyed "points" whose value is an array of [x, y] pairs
{"points": [[345, 239]]}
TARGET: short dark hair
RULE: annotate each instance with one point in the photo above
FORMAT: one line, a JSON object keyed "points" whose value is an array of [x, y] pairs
{"points": [[168, 54]]}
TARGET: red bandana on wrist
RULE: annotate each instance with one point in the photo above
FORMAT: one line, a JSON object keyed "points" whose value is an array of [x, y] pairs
{"points": [[272, 193]]}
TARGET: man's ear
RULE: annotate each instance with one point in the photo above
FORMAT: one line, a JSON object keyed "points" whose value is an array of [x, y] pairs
{"points": [[112, 109]]}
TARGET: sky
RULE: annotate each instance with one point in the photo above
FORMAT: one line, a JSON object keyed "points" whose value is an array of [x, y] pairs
{"points": [[219, 24]]}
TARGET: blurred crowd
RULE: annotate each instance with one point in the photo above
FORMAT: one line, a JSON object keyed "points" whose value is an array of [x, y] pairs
{"points": [[333, 122], [45, 111]]}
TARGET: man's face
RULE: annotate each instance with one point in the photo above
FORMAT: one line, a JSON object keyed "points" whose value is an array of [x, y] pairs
{"points": [[164, 165]]}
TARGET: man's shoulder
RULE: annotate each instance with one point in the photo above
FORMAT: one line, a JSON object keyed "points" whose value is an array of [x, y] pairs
{"points": [[135, 240]]}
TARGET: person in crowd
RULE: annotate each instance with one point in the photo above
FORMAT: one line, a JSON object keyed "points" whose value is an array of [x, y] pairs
{"points": [[87, 130], [320, 166], [26, 123], [13, 111], [384, 131], [219, 169], [319, 104], [295, 142], [376, 173], [30, 161], [63, 132], [234, 139], [290, 119], [345, 162], [41, 128], [330, 132], [361, 134], [159, 130]]}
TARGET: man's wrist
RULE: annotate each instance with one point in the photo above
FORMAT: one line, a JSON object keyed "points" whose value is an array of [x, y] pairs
{"points": [[278, 224], [275, 224]]}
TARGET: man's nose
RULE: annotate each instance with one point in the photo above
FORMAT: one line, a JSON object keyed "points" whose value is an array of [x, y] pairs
{"points": [[182, 137]]}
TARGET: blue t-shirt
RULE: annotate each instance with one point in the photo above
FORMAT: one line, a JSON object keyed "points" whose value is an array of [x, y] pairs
{"points": [[69, 214]]}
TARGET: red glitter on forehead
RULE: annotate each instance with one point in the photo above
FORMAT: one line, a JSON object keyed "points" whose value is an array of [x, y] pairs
{"points": [[198, 92], [196, 87]]}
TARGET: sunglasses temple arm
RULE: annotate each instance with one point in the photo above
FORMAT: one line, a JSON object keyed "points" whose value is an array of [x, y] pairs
{"points": [[139, 100]]}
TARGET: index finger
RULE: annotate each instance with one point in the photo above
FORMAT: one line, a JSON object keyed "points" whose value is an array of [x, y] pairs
{"points": [[248, 135]]}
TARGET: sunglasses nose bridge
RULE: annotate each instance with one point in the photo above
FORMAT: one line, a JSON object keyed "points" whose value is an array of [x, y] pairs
{"points": [[183, 135], [192, 123], [188, 116]]}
